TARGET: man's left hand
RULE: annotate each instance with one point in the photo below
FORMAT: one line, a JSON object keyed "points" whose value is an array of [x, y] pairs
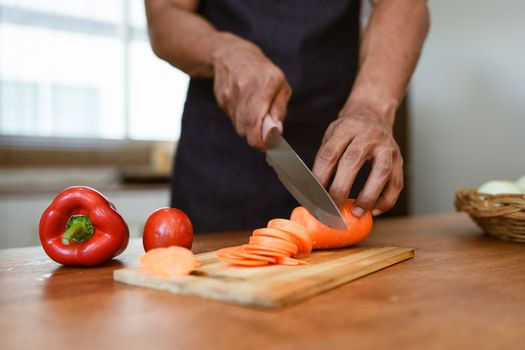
{"points": [[350, 141]]}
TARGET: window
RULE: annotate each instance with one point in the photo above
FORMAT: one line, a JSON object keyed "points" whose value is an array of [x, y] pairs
{"points": [[84, 69]]}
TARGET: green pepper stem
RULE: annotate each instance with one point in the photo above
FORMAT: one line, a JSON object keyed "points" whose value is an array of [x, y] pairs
{"points": [[78, 229]]}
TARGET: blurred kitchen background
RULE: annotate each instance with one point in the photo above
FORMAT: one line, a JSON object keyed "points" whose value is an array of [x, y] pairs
{"points": [[83, 100]]}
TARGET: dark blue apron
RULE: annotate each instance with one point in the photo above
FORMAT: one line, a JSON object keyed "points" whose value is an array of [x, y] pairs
{"points": [[218, 180]]}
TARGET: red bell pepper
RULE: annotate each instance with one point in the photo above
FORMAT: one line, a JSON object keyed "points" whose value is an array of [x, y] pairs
{"points": [[82, 228]]}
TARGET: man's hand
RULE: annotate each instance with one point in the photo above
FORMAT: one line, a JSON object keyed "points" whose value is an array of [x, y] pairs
{"points": [[350, 141], [248, 86], [388, 54]]}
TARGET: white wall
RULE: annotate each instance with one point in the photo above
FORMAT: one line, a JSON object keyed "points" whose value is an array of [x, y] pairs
{"points": [[468, 100]]}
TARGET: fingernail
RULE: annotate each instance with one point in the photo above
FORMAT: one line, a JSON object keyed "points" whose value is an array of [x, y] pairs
{"points": [[357, 211], [376, 212]]}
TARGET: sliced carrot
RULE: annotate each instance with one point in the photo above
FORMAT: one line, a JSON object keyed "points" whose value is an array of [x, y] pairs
{"points": [[168, 262], [266, 253], [261, 247], [290, 261], [245, 262], [242, 254], [282, 239], [275, 233], [275, 242], [299, 232], [238, 252], [226, 252]]}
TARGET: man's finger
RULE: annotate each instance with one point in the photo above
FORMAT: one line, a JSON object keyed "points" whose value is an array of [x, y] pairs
{"points": [[242, 120], [381, 170], [252, 112], [349, 165], [329, 154], [257, 106], [280, 103], [225, 94], [391, 192]]}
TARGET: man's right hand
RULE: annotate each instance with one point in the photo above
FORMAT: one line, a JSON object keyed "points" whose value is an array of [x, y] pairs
{"points": [[248, 86]]}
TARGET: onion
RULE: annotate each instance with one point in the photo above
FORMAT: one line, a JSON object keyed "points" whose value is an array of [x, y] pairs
{"points": [[501, 187], [521, 183]]}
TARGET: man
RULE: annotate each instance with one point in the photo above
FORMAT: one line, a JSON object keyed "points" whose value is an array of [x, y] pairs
{"points": [[301, 62]]}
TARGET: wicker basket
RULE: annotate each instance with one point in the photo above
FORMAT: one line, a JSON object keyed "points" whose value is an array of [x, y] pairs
{"points": [[501, 216]]}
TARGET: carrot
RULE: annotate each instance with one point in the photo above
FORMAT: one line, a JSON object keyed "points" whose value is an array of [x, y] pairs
{"points": [[290, 261], [226, 253], [249, 247], [240, 262], [241, 254], [275, 242], [297, 230], [264, 252], [168, 262], [325, 237], [282, 239], [275, 233]]}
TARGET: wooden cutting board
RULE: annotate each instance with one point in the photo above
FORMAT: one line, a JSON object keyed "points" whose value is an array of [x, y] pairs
{"points": [[272, 286]]}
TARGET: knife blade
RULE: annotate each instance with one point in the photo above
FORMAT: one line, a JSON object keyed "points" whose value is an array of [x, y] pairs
{"points": [[297, 177]]}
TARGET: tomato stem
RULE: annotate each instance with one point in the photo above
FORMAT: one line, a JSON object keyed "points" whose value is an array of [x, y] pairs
{"points": [[78, 229]]}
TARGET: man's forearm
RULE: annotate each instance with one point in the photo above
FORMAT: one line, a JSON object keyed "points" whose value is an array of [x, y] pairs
{"points": [[182, 37], [389, 52]]}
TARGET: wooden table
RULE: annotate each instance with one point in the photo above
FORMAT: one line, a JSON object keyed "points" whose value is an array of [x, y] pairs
{"points": [[462, 290]]}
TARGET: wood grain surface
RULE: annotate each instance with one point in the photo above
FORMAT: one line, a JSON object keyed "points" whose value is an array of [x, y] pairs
{"points": [[274, 286], [463, 290]]}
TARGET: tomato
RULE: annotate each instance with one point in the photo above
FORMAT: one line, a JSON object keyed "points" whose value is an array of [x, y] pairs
{"points": [[167, 227]]}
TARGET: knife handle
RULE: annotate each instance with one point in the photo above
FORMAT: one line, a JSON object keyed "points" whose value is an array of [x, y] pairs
{"points": [[269, 123]]}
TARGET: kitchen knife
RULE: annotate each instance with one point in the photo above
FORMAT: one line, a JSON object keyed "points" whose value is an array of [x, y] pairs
{"points": [[297, 178]]}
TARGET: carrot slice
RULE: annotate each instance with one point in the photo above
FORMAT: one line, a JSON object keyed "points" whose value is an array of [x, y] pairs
{"points": [[242, 254], [245, 262], [298, 231], [265, 248], [226, 252], [238, 252], [266, 253], [290, 261], [275, 233], [168, 262], [275, 242]]}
